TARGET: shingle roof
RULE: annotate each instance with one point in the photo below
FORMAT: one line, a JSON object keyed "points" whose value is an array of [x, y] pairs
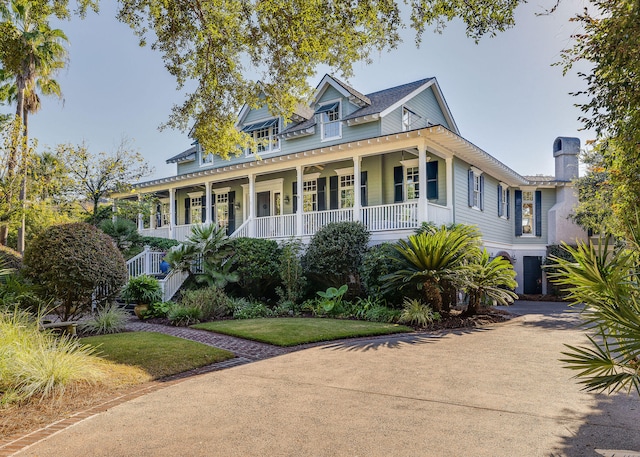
{"points": [[379, 101], [352, 91], [184, 156]]}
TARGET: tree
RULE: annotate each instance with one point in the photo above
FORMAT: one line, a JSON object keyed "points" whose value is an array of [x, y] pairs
{"points": [[490, 280], [94, 176]]}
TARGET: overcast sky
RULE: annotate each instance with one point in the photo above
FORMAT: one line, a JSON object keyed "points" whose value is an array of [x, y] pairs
{"points": [[504, 93]]}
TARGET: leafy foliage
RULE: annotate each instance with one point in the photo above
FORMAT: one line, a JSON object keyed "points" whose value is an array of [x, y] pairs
{"points": [[416, 313], [490, 280], [212, 301], [291, 272], [257, 266], [9, 258], [124, 232], [379, 261], [335, 254], [607, 283], [74, 264], [108, 319], [184, 316], [143, 289]]}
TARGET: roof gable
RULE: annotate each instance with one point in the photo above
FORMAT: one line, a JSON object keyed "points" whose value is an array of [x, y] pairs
{"points": [[355, 97]]}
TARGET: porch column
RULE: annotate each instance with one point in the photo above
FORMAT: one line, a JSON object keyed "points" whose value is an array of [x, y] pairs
{"points": [[114, 209], [207, 202], [423, 213], [152, 217], [140, 216], [449, 177], [172, 212], [357, 203], [299, 209], [252, 205]]}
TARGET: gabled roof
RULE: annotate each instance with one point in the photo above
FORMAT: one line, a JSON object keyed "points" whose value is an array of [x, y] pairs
{"points": [[353, 95], [184, 156]]}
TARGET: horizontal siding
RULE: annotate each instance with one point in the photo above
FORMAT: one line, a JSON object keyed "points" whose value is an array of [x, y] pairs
{"points": [[432, 110], [548, 200], [375, 183]]}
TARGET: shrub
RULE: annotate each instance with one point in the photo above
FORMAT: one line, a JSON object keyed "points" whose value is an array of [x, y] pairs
{"points": [[9, 258], [256, 263], [143, 289], [212, 301], [416, 313], [108, 319], [158, 244], [183, 316], [335, 254], [245, 309], [291, 274], [123, 232], [158, 309], [75, 264], [378, 261]]}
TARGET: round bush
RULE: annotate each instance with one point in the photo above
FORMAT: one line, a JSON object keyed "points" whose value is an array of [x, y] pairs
{"points": [[257, 265], [335, 254], [73, 264], [10, 258]]}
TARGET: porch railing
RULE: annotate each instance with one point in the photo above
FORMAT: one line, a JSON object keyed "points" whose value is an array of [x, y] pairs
{"points": [[390, 217], [160, 232], [312, 222], [171, 283], [275, 226], [145, 263], [242, 231], [182, 232]]}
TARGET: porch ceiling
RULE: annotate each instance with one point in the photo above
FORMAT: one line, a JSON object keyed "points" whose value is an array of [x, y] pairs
{"points": [[438, 138]]}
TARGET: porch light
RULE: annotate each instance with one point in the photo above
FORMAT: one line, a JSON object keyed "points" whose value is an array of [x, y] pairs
{"points": [[237, 205], [287, 199]]}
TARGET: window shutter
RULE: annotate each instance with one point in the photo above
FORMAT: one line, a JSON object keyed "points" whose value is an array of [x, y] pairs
{"points": [[518, 210], [295, 196], [398, 178], [500, 201], [322, 191], [187, 212], [363, 188], [470, 190], [214, 216], [333, 192], [175, 214], [158, 215], [432, 180], [203, 210], [481, 192], [232, 213], [508, 204], [538, 204]]}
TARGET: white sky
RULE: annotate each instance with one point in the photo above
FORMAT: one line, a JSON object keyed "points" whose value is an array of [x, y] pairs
{"points": [[503, 93]]}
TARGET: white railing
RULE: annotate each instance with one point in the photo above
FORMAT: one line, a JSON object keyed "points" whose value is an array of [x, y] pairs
{"points": [[182, 232], [312, 222], [171, 283], [439, 215], [242, 231], [390, 217], [145, 263], [159, 232], [275, 226]]}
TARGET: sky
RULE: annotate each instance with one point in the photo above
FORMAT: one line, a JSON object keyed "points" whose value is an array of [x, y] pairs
{"points": [[504, 93]]}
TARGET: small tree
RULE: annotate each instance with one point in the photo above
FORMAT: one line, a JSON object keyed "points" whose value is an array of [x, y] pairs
{"points": [[490, 280], [75, 264]]}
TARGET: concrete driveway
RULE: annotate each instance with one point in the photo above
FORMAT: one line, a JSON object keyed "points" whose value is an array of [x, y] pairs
{"points": [[498, 391]]}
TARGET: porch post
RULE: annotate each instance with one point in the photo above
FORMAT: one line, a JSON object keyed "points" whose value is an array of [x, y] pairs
{"points": [[449, 177], [172, 213], [423, 214], [207, 202], [357, 203], [152, 217], [252, 205], [140, 216], [299, 209]]}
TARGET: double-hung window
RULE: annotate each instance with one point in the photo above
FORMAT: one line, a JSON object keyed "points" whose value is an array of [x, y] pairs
{"points": [[413, 183], [265, 135], [195, 208], [310, 196], [346, 191], [503, 201], [222, 209], [330, 124], [528, 213], [476, 189]]}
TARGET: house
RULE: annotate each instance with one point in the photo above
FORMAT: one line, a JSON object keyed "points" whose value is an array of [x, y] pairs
{"points": [[390, 159]]}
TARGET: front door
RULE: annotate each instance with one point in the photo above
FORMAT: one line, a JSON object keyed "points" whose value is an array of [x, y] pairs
{"points": [[532, 275], [264, 204]]}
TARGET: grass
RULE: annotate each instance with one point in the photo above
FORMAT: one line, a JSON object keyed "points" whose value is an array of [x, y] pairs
{"points": [[158, 354], [294, 331]]}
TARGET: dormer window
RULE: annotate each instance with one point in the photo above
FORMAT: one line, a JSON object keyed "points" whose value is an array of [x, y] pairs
{"points": [[265, 135], [408, 119], [330, 124]]}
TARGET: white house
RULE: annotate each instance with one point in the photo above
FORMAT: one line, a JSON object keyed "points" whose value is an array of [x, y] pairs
{"points": [[390, 159]]}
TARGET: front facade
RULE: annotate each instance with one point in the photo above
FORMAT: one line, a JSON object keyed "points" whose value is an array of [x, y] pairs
{"points": [[391, 160]]}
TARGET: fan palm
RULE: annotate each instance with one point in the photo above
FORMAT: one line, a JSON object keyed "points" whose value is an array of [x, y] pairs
{"points": [[606, 282], [435, 261], [490, 280]]}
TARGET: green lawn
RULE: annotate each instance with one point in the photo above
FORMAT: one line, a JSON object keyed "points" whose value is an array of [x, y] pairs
{"points": [[158, 354], [294, 331]]}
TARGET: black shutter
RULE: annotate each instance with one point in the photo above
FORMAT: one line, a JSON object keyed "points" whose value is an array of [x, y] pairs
{"points": [[203, 209], [518, 210], [363, 188], [470, 190], [213, 208], [159, 215], [500, 214], [508, 204], [432, 180], [333, 192], [398, 178], [322, 191], [481, 192], [187, 213], [295, 196], [232, 213], [175, 212], [538, 203]]}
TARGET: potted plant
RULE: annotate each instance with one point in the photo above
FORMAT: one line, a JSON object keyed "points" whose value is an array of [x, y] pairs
{"points": [[142, 290]]}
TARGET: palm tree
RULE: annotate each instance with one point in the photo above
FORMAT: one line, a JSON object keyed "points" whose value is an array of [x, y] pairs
{"points": [[34, 52], [436, 262], [490, 280]]}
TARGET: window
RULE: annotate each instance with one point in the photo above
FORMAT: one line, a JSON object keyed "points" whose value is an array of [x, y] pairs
{"points": [[413, 184], [476, 189], [265, 135], [205, 159], [528, 213], [330, 124], [222, 209], [196, 209], [409, 118], [165, 215], [346, 191], [310, 196], [503, 201]]}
